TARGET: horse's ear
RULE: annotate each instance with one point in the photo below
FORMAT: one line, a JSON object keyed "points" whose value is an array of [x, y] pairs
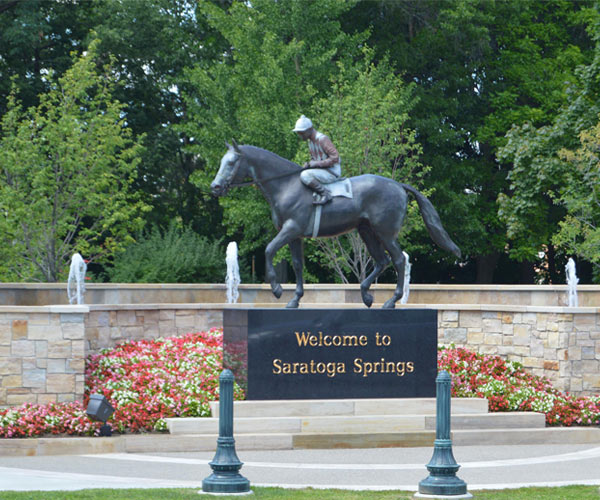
{"points": [[228, 145], [236, 147]]}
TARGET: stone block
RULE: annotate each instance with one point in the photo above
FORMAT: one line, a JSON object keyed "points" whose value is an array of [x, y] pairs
{"points": [[59, 349], [22, 348], [584, 322], [552, 326], [116, 334], [562, 354], [44, 332], [588, 352], [551, 365], [455, 335], [521, 350], [166, 315], [493, 339], [98, 318], [591, 382], [490, 325], [75, 366], [190, 322], [449, 316], [530, 362], [19, 399], [77, 349], [29, 363], [60, 383], [65, 398], [55, 366], [73, 330], [550, 353], [39, 318], [574, 353], [507, 318], [41, 363], [71, 318], [488, 349], [590, 366], [41, 348], [184, 312], [10, 366], [46, 398], [12, 381], [19, 329], [6, 334], [126, 318], [552, 340], [132, 332], [521, 334], [474, 337], [507, 340], [34, 378], [4, 351], [566, 326], [470, 319], [536, 348], [529, 318], [508, 329], [576, 384]]}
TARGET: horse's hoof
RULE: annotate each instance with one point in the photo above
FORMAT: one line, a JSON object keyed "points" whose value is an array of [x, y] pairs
{"points": [[389, 304], [293, 304], [277, 291], [367, 299]]}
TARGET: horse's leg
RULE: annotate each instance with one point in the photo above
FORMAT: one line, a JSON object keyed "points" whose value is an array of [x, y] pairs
{"points": [[288, 232], [297, 255], [377, 251], [393, 248]]}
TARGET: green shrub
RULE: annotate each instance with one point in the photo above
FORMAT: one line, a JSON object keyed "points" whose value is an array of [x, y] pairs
{"points": [[174, 255]]}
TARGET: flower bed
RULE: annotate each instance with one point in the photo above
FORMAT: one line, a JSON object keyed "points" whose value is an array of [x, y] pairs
{"points": [[148, 381], [145, 381], [509, 387]]}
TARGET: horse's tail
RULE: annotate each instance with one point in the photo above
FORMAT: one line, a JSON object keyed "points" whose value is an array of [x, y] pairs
{"points": [[432, 221]]}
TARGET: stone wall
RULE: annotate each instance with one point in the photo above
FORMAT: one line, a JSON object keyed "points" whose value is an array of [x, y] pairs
{"points": [[107, 326], [43, 349], [42, 355], [563, 346]]}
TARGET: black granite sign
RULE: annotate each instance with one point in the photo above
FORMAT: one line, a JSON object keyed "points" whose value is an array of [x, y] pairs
{"points": [[330, 354]]}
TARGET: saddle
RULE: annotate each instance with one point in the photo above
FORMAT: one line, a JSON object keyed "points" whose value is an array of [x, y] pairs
{"points": [[341, 187]]}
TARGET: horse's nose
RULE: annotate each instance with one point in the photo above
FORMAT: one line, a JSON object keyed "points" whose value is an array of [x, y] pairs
{"points": [[216, 188]]}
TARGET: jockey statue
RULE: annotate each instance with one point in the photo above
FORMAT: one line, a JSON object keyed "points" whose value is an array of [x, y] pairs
{"points": [[324, 166]]}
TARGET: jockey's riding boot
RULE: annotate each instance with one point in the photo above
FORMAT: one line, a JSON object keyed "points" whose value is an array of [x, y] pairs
{"points": [[323, 192]]}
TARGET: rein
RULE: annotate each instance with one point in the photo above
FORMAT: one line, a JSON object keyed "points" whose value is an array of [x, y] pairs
{"points": [[250, 183]]}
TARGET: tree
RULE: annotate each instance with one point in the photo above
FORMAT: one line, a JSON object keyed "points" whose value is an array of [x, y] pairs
{"points": [[552, 180], [66, 171], [281, 56], [366, 112], [480, 67]]}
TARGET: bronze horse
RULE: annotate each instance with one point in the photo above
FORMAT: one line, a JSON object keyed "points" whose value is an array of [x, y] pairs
{"points": [[377, 210]]}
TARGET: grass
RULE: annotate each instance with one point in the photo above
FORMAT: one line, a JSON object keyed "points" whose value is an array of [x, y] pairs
{"points": [[564, 493]]}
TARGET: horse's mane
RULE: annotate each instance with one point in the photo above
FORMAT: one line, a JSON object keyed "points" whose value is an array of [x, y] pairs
{"points": [[269, 156]]}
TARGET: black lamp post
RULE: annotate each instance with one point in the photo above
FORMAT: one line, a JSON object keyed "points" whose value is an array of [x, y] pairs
{"points": [[100, 409]]}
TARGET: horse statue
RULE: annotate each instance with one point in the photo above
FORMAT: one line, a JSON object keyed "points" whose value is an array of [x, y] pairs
{"points": [[376, 209]]}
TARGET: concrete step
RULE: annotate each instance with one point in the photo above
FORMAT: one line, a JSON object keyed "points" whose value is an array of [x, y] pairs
{"points": [[354, 424], [324, 407]]}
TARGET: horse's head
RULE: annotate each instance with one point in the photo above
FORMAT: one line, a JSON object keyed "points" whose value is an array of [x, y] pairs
{"points": [[233, 170]]}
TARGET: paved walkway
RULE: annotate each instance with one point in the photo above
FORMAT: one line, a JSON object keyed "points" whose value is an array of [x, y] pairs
{"points": [[490, 467]]}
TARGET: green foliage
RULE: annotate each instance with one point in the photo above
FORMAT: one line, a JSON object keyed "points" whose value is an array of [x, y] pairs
{"points": [[66, 169], [366, 114], [551, 194], [280, 60], [579, 231], [175, 255]]}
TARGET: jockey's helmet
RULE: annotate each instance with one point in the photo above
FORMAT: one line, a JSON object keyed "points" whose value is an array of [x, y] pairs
{"points": [[302, 124]]}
